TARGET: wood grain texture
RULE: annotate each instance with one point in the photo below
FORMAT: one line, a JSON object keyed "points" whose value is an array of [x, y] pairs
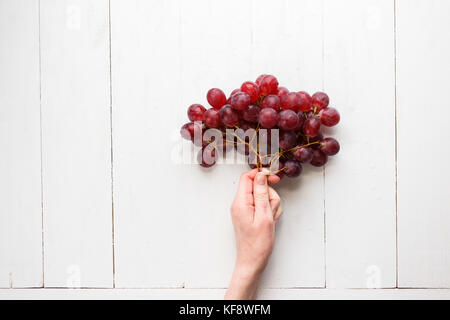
{"points": [[423, 78], [360, 180], [20, 163], [76, 143]]}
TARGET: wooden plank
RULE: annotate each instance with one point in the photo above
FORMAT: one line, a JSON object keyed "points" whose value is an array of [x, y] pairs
{"points": [[195, 228], [20, 163], [152, 195], [360, 180], [217, 294], [423, 76], [76, 143], [287, 42], [215, 47]]}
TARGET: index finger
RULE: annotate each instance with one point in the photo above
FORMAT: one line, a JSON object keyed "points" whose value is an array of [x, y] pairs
{"points": [[245, 187], [273, 178]]}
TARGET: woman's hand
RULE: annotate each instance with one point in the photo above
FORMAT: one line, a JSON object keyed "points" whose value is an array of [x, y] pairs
{"points": [[255, 211]]}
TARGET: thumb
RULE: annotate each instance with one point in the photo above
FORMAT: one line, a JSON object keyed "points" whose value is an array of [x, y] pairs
{"points": [[261, 194]]}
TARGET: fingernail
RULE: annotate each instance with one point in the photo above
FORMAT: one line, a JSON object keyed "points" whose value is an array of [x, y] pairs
{"points": [[265, 171], [261, 178]]}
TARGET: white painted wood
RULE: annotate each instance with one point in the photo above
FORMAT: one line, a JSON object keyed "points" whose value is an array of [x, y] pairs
{"points": [[360, 180], [177, 231], [287, 42], [20, 164], [423, 77], [208, 294], [172, 224], [215, 52], [152, 196], [76, 143]]}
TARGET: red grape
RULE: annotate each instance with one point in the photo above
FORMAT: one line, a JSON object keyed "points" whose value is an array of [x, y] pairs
{"points": [[211, 118], [311, 126], [232, 94], [245, 125], [292, 168], [281, 91], [271, 101], [228, 116], [206, 157], [268, 118], [258, 80], [291, 101], [268, 85], [319, 158], [190, 129], [288, 139], [292, 119], [195, 112], [303, 154], [301, 118], [216, 98], [301, 140], [320, 100], [329, 146], [187, 131], [240, 101], [306, 101], [199, 140], [329, 117], [315, 139], [289, 120], [251, 89], [251, 114]]}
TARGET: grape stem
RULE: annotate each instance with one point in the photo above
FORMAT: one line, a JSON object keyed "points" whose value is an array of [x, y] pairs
{"points": [[256, 152]]}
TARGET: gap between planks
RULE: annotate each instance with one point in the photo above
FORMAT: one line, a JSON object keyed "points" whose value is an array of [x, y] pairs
{"points": [[111, 143], [40, 141], [112, 171], [396, 145]]}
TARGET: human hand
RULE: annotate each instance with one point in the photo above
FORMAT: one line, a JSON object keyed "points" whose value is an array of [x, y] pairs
{"points": [[255, 212]]}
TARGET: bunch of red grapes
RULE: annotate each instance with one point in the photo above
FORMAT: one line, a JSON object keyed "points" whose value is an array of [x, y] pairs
{"points": [[264, 107]]}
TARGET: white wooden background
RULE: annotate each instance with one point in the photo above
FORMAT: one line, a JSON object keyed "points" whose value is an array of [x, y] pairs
{"points": [[92, 95]]}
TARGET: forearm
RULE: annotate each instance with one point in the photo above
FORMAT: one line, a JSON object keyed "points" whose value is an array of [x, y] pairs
{"points": [[243, 284]]}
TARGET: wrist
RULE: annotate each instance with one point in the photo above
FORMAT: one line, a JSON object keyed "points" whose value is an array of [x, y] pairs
{"points": [[244, 283], [248, 272]]}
